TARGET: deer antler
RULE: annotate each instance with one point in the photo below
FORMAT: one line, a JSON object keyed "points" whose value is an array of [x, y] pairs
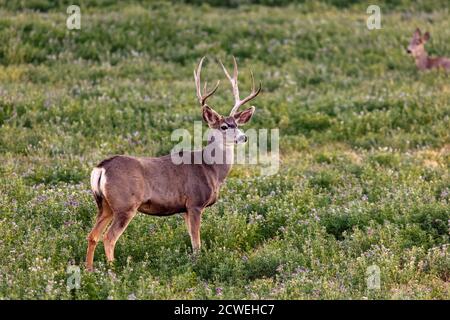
{"points": [[202, 97], [234, 84]]}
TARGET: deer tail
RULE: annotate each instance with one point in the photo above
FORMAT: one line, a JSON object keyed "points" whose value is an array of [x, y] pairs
{"points": [[98, 180]]}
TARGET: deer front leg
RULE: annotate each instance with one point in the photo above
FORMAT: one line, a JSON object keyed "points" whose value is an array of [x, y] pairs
{"points": [[186, 220], [193, 222]]}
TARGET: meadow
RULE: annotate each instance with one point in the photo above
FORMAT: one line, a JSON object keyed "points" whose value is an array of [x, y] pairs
{"points": [[364, 145]]}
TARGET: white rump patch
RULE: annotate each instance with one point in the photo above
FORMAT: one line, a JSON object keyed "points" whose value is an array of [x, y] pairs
{"points": [[98, 180]]}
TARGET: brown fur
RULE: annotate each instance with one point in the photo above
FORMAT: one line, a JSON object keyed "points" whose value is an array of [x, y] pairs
{"points": [[423, 62]]}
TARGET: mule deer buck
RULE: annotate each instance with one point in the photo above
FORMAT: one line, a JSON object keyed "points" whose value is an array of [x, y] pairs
{"points": [[123, 185], [416, 48]]}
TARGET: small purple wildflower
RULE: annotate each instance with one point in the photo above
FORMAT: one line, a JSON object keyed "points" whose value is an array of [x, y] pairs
{"points": [[40, 199], [72, 203]]}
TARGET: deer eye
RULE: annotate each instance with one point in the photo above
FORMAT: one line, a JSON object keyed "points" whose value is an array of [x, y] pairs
{"points": [[223, 127]]}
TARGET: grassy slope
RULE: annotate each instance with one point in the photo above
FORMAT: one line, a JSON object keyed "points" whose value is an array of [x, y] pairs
{"points": [[364, 139]]}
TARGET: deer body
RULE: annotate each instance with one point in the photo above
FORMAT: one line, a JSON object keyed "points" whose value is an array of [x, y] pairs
{"points": [[160, 187], [417, 49], [124, 185], [424, 62]]}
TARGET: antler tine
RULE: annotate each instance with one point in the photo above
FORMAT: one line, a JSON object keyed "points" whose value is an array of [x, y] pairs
{"points": [[234, 83], [254, 93], [202, 97], [233, 80], [235, 76], [197, 79], [209, 94]]}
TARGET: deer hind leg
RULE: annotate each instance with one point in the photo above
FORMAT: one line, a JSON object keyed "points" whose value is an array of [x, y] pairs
{"points": [[104, 217], [118, 226], [193, 223]]}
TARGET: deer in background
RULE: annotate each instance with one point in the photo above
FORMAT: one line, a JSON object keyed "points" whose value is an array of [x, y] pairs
{"points": [[416, 48], [123, 185]]}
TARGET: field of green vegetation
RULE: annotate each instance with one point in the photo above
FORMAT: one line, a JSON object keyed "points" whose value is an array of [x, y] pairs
{"points": [[364, 141]]}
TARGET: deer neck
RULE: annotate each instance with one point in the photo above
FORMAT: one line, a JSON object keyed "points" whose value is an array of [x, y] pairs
{"points": [[221, 158], [421, 59]]}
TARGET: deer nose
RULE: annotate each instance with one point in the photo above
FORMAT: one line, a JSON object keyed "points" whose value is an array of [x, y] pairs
{"points": [[242, 139], [408, 51]]}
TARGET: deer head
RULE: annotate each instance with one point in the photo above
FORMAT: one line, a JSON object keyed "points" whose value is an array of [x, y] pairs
{"points": [[228, 126], [416, 47]]}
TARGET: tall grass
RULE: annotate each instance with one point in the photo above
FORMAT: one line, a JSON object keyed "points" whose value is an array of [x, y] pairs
{"points": [[365, 145]]}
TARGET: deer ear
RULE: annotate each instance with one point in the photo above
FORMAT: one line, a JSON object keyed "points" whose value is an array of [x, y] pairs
{"points": [[244, 116], [426, 36], [210, 116], [417, 34]]}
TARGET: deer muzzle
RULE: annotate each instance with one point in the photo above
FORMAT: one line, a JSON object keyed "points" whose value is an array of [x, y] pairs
{"points": [[240, 137]]}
